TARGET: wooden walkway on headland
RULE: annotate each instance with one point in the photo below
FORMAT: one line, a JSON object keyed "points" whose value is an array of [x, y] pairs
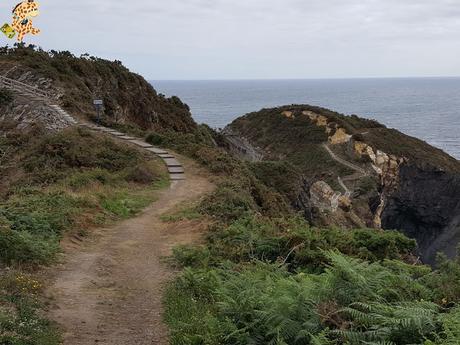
{"points": [[175, 169]]}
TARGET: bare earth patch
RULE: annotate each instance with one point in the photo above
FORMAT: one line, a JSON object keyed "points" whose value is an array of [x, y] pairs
{"points": [[109, 290]]}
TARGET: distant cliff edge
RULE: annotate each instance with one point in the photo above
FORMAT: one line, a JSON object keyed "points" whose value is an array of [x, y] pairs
{"points": [[352, 172]]}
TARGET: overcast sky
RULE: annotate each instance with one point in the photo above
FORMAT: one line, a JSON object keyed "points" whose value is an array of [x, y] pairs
{"points": [[252, 39]]}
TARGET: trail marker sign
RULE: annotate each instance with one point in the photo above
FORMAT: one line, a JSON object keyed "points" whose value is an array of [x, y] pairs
{"points": [[99, 104]]}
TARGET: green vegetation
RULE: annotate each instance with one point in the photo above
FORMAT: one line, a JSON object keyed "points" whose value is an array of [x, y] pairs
{"points": [[67, 181], [20, 319], [127, 96], [278, 135], [265, 276], [54, 184], [418, 151], [246, 287]]}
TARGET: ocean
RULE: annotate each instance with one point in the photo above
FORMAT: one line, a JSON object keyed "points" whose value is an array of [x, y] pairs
{"points": [[426, 108]]}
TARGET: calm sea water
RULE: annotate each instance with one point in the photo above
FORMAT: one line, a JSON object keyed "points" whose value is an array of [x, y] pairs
{"points": [[427, 108]]}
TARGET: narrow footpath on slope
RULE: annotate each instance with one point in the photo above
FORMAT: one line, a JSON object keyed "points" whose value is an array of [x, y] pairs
{"points": [[109, 289], [360, 172]]}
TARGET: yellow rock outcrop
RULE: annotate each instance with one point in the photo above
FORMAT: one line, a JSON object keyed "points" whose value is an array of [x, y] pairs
{"points": [[340, 137], [288, 114]]}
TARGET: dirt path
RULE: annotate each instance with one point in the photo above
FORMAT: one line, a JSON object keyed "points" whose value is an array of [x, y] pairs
{"points": [[109, 290], [344, 162], [359, 172]]}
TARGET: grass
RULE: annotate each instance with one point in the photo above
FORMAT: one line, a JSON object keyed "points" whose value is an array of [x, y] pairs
{"points": [[183, 212], [125, 205], [56, 184], [70, 181], [21, 322]]}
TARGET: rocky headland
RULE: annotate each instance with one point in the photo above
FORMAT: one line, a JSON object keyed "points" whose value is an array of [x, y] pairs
{"points": [[352, 172]]}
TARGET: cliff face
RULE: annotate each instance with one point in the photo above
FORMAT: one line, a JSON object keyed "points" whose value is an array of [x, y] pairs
{"points": [[76, 82], [358, 173], [426, 206]]}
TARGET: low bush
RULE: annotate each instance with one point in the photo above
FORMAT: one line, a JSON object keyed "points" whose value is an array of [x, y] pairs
{"points": [[142, 173], [21, 246], [228, 203], [69, 181], [351, 302], [53, 157], [292, 241], [80, 180]]}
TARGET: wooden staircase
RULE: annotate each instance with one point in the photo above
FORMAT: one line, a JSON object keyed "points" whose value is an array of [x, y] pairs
{"points": [[175, 168]]}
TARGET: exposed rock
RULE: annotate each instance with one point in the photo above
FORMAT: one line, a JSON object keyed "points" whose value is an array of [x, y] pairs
{"points": [[340, 137], [407, 184], [345, 203], [241, 147], [25, 112], [426, 206], [323, 196], [288, 114]]}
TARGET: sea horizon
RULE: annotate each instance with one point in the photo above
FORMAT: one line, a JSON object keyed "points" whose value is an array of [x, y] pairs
{"points": [[312, 78], [424, 107]]}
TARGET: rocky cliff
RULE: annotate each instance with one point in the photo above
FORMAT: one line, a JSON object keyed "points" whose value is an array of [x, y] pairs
{"points": [[75, 82], [354, 172]]}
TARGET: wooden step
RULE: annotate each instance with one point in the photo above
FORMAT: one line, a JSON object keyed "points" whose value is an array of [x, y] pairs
{"points": [[141, 143], [156, 150], [172, 162], [127, 137], [176, 170], [177, 177]]}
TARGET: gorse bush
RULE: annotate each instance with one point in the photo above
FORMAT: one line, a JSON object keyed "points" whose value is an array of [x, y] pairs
{"points": [[22, 246]]}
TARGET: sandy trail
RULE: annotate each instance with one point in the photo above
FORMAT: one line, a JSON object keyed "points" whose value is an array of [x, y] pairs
{"points": [[109, 290]]}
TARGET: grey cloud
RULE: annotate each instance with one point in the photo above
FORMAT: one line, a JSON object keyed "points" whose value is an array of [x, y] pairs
{"points": [[186, 39]]}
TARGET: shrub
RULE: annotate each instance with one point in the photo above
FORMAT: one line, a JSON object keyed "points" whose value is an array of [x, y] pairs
{"points": [[191, 256], [229, 202], [157, 139], [23, 247], [294, 242], [142, 173], [52, 157], [83, 179], [41, 213]]}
